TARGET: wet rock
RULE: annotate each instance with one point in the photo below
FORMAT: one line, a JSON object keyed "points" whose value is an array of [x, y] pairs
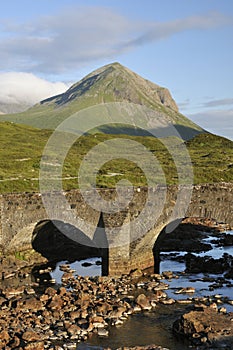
{"points": [[66, 277], [70, 346], [103, 332], [184, 301], [86, 264], [168, 301], [143, 302], [118, 312], [64, 267], [225, 240], [185, 290], [158, 294], [186, 237], [196, 264], [168, 274], [209, 324]]}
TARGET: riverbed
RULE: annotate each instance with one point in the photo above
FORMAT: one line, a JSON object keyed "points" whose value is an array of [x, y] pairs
{"points": [[155, 327]]}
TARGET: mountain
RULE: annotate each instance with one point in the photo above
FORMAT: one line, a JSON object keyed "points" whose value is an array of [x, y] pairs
{"points": [[110, 83], [13, 108]]}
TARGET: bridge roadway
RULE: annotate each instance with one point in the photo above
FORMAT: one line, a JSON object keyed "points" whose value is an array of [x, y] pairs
{"points": [[130, 242]]}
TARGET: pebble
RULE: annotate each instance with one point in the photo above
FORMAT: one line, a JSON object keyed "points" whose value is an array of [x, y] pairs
{"points": [[103, 332], [169, 301], [185, 290]]}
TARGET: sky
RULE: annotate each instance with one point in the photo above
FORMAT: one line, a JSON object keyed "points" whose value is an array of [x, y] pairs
{"points": [[184, 45]]}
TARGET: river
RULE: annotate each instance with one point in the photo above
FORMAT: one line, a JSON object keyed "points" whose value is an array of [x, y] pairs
{"points": [[155, 327]]}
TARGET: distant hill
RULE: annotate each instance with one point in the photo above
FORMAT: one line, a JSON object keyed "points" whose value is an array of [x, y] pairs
{"points": [[111, 83]]}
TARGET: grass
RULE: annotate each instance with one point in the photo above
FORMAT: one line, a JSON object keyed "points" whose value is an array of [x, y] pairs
{"points": [[21, 148]]}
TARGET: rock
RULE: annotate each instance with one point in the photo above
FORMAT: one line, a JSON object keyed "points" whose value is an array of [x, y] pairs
{"points": [[56, 303], [86, 264], [184, 301], [223, 310], [74, 315], [67, 276], [158, 294], [11, 292], [207, 324], [143, 302], [32, 304], [207, 264], [70, 346], [168, 274], [117, 313], [169, 301], [74, 330], [185, 290], [2, 301], [137, 308], [4, 336], [35, 346], [31, 336], [50, 291], [103, 332], [15, 342], [226, 240], [161, 286], [30, 291], [136, 273], [64, 267]]}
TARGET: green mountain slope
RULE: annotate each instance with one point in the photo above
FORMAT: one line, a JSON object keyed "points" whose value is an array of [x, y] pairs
{"points": [[111, 83], [21, 148]]}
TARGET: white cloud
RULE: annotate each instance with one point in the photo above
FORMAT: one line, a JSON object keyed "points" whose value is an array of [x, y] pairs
{"points": [[67, 40], [219, 122], [26, 88], [217, 103]]}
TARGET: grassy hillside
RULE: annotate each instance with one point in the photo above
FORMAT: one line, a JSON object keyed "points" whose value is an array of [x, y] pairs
{"points": [[21, 148]]}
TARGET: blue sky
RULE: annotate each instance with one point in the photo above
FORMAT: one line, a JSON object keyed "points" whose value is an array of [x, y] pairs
{"points": [[184, 45]]}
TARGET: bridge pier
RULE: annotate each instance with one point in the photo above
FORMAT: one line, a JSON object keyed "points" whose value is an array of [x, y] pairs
{"points": [[121, 265]]}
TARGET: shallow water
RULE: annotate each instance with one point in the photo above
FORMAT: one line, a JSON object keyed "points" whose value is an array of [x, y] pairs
{"points": [[155, 327], [195, 280], [92, 270]]}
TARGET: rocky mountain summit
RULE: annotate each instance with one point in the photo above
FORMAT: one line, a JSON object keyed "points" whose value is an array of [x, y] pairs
{"points": [[119, 83], [108, 84]]}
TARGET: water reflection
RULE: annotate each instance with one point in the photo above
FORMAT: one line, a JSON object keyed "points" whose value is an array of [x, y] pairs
{"points": [[51, 273]]}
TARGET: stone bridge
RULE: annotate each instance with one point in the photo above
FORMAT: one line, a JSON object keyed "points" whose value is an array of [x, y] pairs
{"points": [[129, 243]]}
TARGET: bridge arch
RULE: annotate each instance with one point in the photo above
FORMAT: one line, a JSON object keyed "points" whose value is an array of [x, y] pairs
{"points": [[20, 213]]}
